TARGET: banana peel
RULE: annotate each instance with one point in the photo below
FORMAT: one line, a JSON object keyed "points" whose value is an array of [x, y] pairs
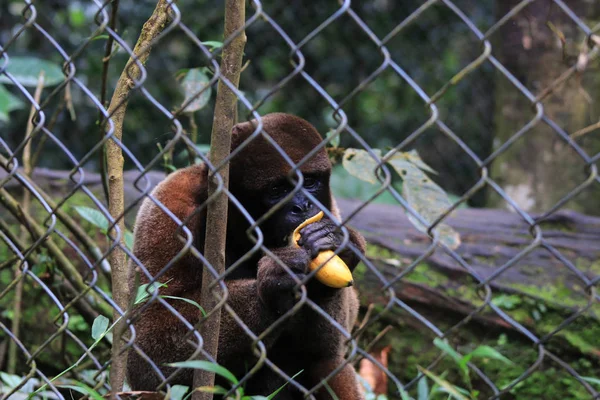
{"points": [[335, 273]]}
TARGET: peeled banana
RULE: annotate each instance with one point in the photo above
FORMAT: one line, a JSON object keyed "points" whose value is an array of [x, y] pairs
{"points": [[335, 273]]}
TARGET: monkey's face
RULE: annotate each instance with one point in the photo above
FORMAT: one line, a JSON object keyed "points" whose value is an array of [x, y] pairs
{"points": [[293, 206], [260, 177]]}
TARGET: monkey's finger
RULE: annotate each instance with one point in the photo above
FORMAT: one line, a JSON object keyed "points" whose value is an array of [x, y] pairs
{"points": [[325, 243], [316, 233], [316, 226]]}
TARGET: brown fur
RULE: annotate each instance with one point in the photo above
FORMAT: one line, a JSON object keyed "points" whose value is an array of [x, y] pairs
{"points": [[259, 162], [306, 341]]}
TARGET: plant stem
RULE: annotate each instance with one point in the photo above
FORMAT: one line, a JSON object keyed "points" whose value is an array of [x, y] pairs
{"points": [[18, 300], [193, 138], [105, 64], [116, 197], [216, 221]]}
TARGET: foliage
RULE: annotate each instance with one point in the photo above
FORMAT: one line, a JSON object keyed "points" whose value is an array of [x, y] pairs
{"points": [[8, 103], [99, 220], [26, 71], [421, 193], [387, 105], [146, 290], [482, 352], [224, 373], [194, 81], [384, 113]]}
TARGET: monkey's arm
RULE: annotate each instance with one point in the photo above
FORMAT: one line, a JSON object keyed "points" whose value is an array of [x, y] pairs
{"points": [[259, 303], [157, 243]]}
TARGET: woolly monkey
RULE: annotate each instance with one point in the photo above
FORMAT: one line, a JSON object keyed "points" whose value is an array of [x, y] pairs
{"points": [[260, 290]]}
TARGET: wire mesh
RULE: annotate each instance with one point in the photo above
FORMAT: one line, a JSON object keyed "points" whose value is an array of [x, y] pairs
{"points": [[81, 292]]}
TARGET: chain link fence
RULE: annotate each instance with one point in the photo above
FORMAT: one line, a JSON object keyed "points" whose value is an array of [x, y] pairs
{"points": [[37, 230]]}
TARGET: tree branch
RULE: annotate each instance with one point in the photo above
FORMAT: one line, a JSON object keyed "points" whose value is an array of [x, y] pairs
{"points": [[118, 106], [216, 222]]}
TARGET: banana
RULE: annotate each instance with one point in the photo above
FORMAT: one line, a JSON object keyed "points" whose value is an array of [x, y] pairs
{"points": [[335, 273]]}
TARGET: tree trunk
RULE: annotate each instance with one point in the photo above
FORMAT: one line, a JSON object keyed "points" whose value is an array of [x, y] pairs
{"points": [[538, 46]]}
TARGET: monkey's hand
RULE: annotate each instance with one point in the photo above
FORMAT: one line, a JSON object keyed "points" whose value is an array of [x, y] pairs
{"points": [[325, 235], [276, 287]]}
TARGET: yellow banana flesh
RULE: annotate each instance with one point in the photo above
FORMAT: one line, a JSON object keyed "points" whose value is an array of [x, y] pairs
{"points": [[335, 273]]}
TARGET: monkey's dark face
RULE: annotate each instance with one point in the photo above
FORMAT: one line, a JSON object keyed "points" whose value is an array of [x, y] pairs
{"points": [[293, 211]]}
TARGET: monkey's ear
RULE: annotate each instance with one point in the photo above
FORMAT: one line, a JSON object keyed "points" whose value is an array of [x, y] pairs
{"points": [[240, 132]]}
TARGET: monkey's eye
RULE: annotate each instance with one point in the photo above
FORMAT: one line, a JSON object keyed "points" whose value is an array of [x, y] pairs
{"points": [[278, 191], [310, 182]]}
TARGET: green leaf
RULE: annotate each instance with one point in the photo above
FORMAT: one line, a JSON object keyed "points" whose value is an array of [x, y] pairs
{"points": [[206, 366], [335, 141], [447, 386], [344, 185], [360, 164], [202, 148], [100, 37], [595, 381], [458, 359], [8, 103], [332, 394], [83, 389], [10, 380], [213, 44], [99, 327], [178, 391], [94, 217], [26, 71], [146, 290], [427, 199], [192, 302], [194, 81], [507, 301], [413, 158], [211, 389], [365, 385], [488, 352], [422, 389], [269, 397], [184, 154], [502, 339], [76, 15], [446, 348]]}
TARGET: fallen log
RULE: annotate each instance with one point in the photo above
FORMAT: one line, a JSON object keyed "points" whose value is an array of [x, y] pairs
{"points": [[554, 273], [539, 290]]}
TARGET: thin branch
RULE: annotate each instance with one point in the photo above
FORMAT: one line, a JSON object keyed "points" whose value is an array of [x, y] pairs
{"points": [[82, 305], [64, 264], [69, 223], [105, 63], [193, 138], [49, 126], [586, 130], [18, 299], [216, 221], [116, 197]]}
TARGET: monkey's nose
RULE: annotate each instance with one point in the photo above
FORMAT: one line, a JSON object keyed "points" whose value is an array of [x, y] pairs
{"points": [[303, 207]]}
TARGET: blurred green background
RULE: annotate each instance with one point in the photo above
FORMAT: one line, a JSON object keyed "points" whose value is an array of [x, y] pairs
{"points": [[484, 110]]}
